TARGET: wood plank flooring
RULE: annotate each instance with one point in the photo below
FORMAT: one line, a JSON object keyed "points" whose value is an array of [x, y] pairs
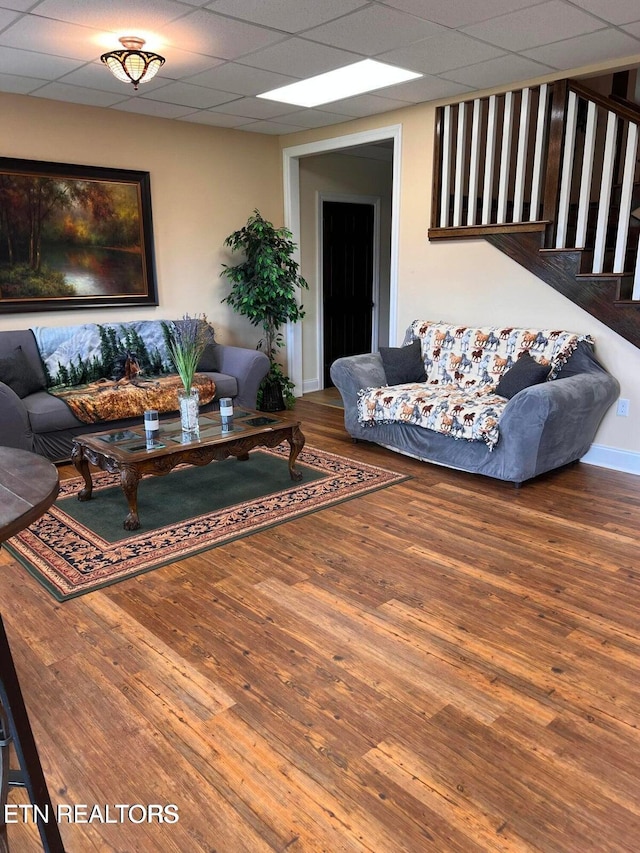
{"points": [[446, 665]]}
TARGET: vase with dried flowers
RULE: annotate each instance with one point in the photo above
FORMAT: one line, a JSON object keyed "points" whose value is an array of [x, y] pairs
{"points": [[186, 341]]}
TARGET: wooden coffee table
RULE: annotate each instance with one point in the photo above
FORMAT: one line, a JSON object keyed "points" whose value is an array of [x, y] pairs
{"points": [[124, 451]]}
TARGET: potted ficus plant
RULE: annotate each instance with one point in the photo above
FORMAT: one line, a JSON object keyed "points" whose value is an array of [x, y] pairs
{"points": [[263, 289]]}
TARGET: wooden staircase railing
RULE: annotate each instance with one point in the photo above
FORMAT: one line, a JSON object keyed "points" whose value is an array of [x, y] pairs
{"points": [[557, 159]]}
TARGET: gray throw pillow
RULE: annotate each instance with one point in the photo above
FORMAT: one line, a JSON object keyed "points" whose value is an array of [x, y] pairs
{"points": [[19, 375], [524, 373], [209, 362], [403, 364]]}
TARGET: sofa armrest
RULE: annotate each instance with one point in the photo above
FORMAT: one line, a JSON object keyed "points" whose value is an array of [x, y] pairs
{"points": [[555, 422], [349, 375], [15, 427], [249, 366]]}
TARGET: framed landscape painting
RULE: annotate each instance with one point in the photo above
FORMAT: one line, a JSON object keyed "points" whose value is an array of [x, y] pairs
{"points": [[74, 237]]}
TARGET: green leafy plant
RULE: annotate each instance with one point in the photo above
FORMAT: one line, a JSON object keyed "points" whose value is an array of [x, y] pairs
{"points": [[263, 289], [186, 341]]}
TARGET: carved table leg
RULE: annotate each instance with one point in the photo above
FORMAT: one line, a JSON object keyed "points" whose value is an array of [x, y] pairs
{"points": [[129, 479], [82, 467], [296, 443]]}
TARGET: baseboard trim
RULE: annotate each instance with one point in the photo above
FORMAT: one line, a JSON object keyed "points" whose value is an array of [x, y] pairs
{"points": [[610, 457], [310, 385]]}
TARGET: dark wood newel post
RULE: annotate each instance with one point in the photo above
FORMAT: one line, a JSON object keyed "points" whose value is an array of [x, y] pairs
{"points": [[436, 179], [554, 158]]}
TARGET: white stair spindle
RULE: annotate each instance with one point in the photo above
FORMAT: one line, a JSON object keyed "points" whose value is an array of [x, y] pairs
{"points": [[505, 157], [626, 194], [536, 179], [459, 170], [605, 193], [446, 167], [487, 195], [474, 160], [567, 171], [587, 174], [636, 278], [521, 157]]}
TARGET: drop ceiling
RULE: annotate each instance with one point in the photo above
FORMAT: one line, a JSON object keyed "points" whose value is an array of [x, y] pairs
{"points": [[221, 54]]}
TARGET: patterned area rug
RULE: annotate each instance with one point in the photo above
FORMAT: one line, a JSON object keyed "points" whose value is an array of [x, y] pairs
{"points": [[76, 547]]}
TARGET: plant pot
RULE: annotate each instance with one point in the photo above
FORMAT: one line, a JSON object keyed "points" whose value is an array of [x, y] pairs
{"points": [[189, 405], [272, 399]]}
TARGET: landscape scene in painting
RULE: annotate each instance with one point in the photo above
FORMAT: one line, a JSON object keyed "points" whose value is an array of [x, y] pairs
{"points": [[65, 238]]}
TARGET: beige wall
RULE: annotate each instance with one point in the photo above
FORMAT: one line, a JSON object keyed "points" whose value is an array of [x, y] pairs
{"points": [[472, 282], [336, 174], [205, 182]]}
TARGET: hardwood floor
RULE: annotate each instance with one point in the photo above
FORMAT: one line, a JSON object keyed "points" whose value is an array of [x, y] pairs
{"points": [[448, 664]]}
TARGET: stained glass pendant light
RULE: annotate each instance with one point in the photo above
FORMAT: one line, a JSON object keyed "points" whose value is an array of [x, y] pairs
{"points": [[133, 65]]}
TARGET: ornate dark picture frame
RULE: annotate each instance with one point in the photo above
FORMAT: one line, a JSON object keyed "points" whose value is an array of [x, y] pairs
{"points": [[74, 237]]}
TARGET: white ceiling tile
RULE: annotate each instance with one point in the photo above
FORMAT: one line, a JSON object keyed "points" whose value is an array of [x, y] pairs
{"points": [[586, 49], [365, 105], [183, 63], [497, 72], [271, 127], [634, 29], [189, 95], [373, 30], [143, 106], [16, 5], [314, 118], [114, 16], [6, 17], [204, 32], [292, 16], [254, 108], [31, 64], [614, 11], [216, 119], [77, 95], [47, 36], [425, 89], [19, 85], [300, 58], [459, 13], [233, 77], [527, 28], [442, 53]]}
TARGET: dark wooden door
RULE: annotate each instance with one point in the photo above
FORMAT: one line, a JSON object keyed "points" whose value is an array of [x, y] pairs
{"points": [[347, 280]]}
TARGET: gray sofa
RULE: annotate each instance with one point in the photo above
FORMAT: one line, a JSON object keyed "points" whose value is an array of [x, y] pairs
{"points": [[541, 427], [44, 424]]}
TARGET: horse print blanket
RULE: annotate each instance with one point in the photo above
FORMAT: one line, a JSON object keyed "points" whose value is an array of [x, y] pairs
{"points": [[463, 367]]}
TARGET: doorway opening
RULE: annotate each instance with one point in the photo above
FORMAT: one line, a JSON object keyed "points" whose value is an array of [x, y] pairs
{"points": [[349, 278], [306, 364]]}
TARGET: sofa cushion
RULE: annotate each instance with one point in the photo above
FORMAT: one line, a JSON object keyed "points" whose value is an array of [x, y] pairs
{"points": [[16, 372], [524, 373], [472, 414], [403, 364]]}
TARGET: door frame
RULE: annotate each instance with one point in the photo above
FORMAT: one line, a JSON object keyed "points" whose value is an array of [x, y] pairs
{"points": [[291, 177], [346, 198]]}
